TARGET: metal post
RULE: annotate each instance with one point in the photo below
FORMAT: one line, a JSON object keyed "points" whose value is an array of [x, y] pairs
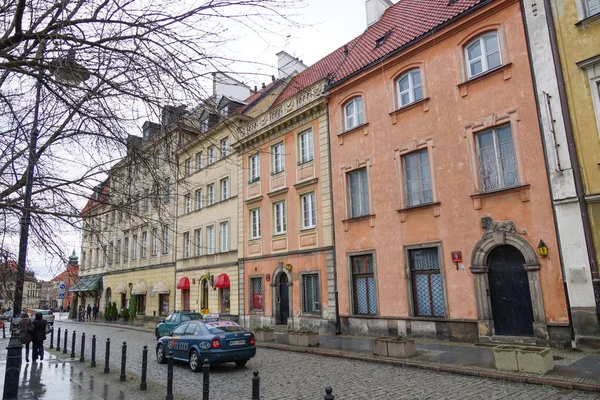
{"points": [[52, 337], [328, 395], [123, 377], [93, 351], [144, 385], [255, 386], [107, 357], [73, 345], [205, 380], [58, 340], [13, 365], [4, 331], [170, 377], [65, 342], [82, 356]]}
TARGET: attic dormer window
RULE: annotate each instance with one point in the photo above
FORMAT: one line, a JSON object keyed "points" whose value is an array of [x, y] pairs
{"points": [[224, 112], [379, 42], [204, 125]]}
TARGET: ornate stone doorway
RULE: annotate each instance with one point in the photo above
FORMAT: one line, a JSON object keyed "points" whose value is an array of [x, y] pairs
{"points": [[281, 286]]}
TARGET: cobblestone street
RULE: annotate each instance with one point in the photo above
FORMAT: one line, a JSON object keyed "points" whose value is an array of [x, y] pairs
{"points": [[288, 375]]}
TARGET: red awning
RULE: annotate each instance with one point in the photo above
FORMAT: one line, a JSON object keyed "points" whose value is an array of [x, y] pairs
{"points": [[222, 282], [184, 283]]}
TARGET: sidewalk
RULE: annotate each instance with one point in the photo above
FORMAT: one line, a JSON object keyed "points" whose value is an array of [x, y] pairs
{"points": [[573, 369]]}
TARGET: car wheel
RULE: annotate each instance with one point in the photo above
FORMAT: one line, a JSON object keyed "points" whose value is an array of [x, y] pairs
{"points": [[240, 363], [195, 364], [160, 354]]}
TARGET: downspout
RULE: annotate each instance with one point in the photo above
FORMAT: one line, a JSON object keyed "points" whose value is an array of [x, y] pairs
{"points": [[555, 220], [338, 325], [573, 157]]}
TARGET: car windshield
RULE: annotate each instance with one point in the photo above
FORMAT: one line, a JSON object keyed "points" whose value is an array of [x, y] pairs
{"points": [[188, 317], [222, 327], [46, 312]]}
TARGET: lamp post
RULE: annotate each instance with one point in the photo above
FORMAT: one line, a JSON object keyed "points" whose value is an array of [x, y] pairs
{"points": [[66, 70]]}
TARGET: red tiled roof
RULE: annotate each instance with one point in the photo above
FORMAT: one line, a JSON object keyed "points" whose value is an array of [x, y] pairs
{"points": [[407, 20], [91, 203]]}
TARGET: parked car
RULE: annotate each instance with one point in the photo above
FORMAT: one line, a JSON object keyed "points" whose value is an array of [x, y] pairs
{"points": [[48, 315], [168, 324], [218, 342], [6, 315]]}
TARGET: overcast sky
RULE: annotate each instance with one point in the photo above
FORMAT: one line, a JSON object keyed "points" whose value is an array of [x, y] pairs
{"points": [[328, 25]]}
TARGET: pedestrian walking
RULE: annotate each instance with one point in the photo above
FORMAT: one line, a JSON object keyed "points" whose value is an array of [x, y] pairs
{"points": [[24, 326], [89, 312], [39, 329], [80, 314], [95, 310]]}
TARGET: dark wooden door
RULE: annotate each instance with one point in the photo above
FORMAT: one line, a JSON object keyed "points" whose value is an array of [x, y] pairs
{"points": [[509, 292], [284, 299]]}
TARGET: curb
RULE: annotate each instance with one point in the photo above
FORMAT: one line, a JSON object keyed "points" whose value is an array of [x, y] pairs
{"points": [[450, 368]]}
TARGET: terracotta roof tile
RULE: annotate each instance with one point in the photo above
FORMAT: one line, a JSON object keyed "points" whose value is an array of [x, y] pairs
{"points": [[407, 20]]}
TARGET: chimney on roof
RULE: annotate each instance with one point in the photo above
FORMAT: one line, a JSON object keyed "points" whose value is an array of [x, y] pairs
{"points": [[272, 78], [287, 65], [263, 85], [150, 129], [255, 89], [345, 50], [375, 9]]}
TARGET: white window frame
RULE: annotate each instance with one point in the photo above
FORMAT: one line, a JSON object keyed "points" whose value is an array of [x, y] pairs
{"points": [[144, 244], [353, 113], [199, 161], [225, 149], [198, 242], [154, 241], [117, 252], [224, 236], [420, 178], [279, 218], [211, 194], [134, 245], [588, 9], [165, 241], [308, 207], [499, 169], [484, 53], [278, 158], [255, 231], [224, 189], [199, 199], [188, 167], [210, 239], [306, 146], [254, 167], [188, 203], [212, 155], [410, 75], [363, 191], [186, 245]]}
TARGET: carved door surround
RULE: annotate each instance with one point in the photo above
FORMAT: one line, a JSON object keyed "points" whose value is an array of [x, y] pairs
{"points": [[275, 280], [499, 233]]}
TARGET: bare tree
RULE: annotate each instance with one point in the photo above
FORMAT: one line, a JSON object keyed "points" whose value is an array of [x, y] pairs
{"points": [[93, 69]]}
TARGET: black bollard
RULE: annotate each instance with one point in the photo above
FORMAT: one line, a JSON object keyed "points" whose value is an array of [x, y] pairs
{"points": [[123, 377], [328, 395], [107, 357], [144, 385], [170, 377], [205, 379], [82, 356], [93, 351], [4, 331], [255, 386], [52, 337], [65, 341], [73, 345], [58, 340]]}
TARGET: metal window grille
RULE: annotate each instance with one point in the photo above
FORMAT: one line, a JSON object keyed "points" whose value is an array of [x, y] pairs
{"points": [[363, 279], [428, 292], [310, 294], [257, 294]]}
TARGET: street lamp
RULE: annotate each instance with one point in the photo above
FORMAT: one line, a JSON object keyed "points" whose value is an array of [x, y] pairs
{"points": [[66, 70]]}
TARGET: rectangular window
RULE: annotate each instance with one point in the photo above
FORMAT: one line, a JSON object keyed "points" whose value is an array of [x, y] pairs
{"points": [[497, 162], [254, 163], [165, 241], [593, 7], [428, 292], [198, 199], [199, 161], [310, 293], [279, 221], [363, 285], [118, 252], [188, 167], [210, 239], [255, 223], [359, 193], [224, 189], [144, 244], [224, 147], [167, 190], [211, 194], [198, 242], [186, 244], [309, 212], [306, 146], [224, 233], [154, 241], [145, 202], [126, 249], [417, 178], [109, 253], [278, 158], [212, 154], [187, 199], [134, 245], [256, 294]]}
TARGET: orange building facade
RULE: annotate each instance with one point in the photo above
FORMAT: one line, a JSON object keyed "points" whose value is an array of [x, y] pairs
{"points": [[440, 192]]}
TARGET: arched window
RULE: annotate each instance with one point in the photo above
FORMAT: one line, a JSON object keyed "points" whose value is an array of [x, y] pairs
{"points": [[409, 87], [353, 113], [483, 54]]}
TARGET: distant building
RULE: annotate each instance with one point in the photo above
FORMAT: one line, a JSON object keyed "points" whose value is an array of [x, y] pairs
{"points": [[69, 276], [31, 287]]}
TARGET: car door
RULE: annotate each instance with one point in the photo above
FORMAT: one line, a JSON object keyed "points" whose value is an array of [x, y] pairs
{"points": [[176, 342], [175, 320]]}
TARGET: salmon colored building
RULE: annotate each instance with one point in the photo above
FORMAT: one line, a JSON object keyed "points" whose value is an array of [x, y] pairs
{"points": [[443, 218]]}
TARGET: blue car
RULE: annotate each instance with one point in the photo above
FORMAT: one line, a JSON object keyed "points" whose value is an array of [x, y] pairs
{"points": [[218, 342]]}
